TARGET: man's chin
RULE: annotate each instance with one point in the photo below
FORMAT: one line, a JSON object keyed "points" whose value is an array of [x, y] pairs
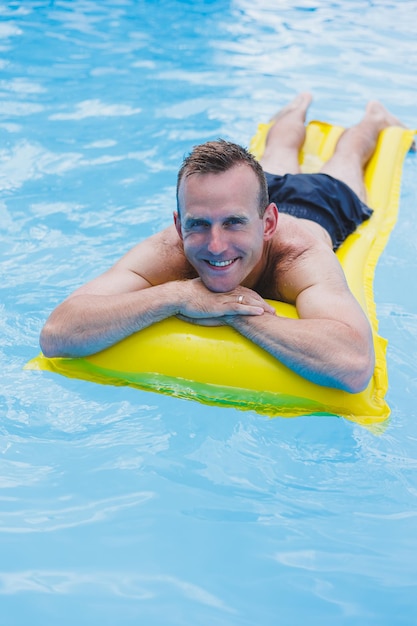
{"points": [[224, 280], [219, 286]]}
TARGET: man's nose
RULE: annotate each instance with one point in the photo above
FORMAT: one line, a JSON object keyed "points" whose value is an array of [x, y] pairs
{"points": [[217, 240]]}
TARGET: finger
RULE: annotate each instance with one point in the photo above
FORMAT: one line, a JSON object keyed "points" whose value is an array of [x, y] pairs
{"points": [[248, 309], [247, 300]]}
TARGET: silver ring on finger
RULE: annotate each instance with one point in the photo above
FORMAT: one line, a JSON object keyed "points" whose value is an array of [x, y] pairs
{"points": [[240, 299]]}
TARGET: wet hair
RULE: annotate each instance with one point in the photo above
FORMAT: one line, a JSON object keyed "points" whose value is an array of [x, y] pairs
{"points": [[216, 157]]}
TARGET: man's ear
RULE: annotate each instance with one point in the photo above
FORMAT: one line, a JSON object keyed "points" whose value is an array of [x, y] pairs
{"points": [[177, 222], [270, 219]]}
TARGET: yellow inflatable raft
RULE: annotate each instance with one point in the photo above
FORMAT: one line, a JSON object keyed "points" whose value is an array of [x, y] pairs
{"points": [[218, 366]]}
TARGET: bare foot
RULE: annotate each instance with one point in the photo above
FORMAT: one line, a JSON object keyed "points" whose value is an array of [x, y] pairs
{"points": [[384, 118], [286, 136], [379, 112], [299, 106]]}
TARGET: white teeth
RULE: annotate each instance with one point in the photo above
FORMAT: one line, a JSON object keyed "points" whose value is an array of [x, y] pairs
{"points": [[220, 263]]}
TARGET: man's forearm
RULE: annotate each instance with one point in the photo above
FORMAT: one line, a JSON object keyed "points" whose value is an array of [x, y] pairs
{"points": [[325, 351], [87, 323]]}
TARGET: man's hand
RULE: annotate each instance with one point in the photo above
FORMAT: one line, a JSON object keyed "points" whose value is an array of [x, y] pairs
{"points": [[208, 308]]}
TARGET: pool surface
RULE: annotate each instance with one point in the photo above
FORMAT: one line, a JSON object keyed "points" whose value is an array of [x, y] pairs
{"points": [[120, 506]]}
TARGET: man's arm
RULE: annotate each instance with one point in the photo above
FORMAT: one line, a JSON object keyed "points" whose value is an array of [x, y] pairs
{"points": [[96, 316], [324, 350], [331, 344], [146, 286]]}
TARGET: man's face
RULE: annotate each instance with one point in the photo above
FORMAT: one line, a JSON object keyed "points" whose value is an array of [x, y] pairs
{"points": [[222, 232]]}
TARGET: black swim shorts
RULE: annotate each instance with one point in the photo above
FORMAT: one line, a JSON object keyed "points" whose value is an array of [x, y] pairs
{"points": [[320, 198]]}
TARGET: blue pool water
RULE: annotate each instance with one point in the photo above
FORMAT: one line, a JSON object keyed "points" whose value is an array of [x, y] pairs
{"points": [[124, 507]]}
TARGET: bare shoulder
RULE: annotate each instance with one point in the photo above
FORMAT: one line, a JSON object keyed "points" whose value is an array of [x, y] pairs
{"points": [[303, 257], [158, 259], [154, 261]]}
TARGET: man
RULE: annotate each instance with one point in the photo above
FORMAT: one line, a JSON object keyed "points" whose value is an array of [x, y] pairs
{"points": [[227, 251]]}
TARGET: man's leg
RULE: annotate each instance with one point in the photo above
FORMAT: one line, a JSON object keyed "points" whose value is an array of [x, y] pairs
{"points": [[356, 146], [286, 137]]}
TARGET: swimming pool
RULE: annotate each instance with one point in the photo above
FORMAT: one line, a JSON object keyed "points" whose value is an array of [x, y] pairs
{"points": [[121, 506]]}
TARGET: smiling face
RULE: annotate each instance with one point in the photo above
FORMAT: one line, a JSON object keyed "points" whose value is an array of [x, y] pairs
{"points": [[222, 231]]}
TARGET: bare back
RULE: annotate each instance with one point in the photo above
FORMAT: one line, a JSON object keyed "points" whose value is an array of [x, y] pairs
{"points": [[299, 256]]}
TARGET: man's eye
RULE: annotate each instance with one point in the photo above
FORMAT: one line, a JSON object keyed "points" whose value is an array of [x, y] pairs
{"points": [[233, 221], [198, 224]]}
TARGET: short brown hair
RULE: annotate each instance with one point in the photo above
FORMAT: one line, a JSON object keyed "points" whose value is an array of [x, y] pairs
{"points": [[215, 157]]}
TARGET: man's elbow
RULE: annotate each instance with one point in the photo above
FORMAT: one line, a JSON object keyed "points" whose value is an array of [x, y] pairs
{"points": [[360, 373], [51, 341], [46, 343]]}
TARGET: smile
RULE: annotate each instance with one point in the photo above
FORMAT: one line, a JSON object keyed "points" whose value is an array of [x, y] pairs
{"points": [[221, 263]]}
